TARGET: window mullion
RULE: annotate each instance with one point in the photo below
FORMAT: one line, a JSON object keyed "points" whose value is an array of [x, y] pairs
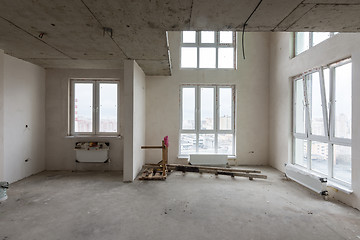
{"points": [[216, 116], [332, 104], [197, 116], [96, 107], [307, 123], [323, 102], [307, 112]]}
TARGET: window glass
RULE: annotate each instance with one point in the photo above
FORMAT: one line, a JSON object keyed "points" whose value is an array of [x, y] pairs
{"points": [[188, 143], [83, 107], [189, 36], [301, 42], [207, 124], [108, 107], [312, 151], [319, 157], [315, 104], [208, 49], [188, 57], [226, 37], [299, 107], [319, 37], [207, 108], [225, 142], [343, 101], [207, 37], [225, 108], [342, 163], [207, 143], [301, 152], [188, 108], [207, 57], [226, 58]]}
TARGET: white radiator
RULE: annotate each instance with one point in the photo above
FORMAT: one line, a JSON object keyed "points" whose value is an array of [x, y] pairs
{"points": [[92, 152], [317, 184], [208, 159]]}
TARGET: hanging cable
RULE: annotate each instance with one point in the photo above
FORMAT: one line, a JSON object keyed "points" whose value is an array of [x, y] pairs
{"points": [[243, 31]]}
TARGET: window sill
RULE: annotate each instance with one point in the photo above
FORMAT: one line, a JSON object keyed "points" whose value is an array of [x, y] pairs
{"points": [[342, 188], [94, 136], [330, 182]]}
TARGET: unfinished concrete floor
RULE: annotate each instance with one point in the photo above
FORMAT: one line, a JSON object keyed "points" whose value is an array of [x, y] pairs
{"points": [[97, 205]]}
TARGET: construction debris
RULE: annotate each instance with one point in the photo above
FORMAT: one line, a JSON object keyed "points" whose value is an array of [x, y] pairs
{"points": [[159, 171]]}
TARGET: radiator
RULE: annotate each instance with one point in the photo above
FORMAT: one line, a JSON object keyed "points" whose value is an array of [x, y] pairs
{"points": [[208, 159], [92, 152], [317, 184]]}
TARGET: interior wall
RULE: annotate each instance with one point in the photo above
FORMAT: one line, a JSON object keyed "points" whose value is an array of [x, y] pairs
{"points": [[282, 68], [2, 177], [135, 118], [251, 82], [139, 117], [24, 119], [60, 154]]}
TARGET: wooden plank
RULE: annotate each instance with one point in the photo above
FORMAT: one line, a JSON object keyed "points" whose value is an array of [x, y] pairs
{"points": [[172, 166], [151, 147]]}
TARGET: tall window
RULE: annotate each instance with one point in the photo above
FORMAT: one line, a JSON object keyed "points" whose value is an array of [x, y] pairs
{"points": [[94, 107], [322, 121], [208, 49], [207, 119], [306, 40]]}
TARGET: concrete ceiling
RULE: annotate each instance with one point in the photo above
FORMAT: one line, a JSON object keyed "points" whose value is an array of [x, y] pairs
{"points": [[69, 33]]}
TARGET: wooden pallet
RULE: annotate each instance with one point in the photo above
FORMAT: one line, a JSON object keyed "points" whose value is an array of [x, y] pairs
{"points": [[152, 174]]}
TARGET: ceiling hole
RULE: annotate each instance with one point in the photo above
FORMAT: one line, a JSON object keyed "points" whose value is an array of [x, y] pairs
{"points": [[53, 25]]}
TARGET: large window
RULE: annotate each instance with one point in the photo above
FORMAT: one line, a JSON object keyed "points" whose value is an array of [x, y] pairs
{"points": [[94, 107], [208, 49], [322, 121], [207, 119], [306, 40]]}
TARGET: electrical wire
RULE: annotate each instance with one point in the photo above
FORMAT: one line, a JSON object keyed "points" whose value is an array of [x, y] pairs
{"points": [[243, 31]]}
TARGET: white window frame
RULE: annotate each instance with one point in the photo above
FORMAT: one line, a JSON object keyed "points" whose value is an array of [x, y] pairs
{"points": [[216, 123], [95, 111], [329, 123], [216, 45]]}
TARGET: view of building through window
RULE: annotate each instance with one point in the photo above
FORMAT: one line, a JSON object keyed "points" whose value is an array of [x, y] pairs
{"points": [[207, 119], [95, 107], [322, 121]]}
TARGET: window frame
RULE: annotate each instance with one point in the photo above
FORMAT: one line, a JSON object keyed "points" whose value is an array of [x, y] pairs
{"points": [[95, 109], [328, 119], [310, 41], [215, 45], [216, 130]]}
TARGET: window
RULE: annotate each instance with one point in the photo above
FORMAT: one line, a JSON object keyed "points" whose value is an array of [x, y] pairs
{"points": [[208, 49], [306, 40], [322, 121], [207, 119], [94, 107]]}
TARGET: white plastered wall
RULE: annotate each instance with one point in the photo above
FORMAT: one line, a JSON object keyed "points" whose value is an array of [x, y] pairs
{"points": [[60, 154], [24, 118], [251, 82], [2, 177], [134, 120], [282, 68]]}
